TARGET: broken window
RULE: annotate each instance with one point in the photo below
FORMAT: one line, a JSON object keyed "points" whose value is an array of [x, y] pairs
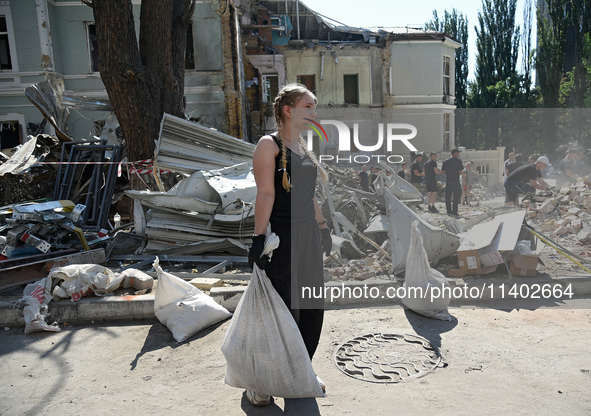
{"points": [[10, 134], [446, 131], [309, 81], [5, 59], [446, 71], [351, 88], [270, 87], [482, 169], [93, 47], [190, 49]]}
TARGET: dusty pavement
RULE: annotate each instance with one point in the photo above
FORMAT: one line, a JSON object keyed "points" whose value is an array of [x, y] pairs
{"points": [[531, 361]]}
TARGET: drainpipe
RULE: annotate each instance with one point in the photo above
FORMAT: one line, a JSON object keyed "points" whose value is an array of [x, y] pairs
{"points": [[298, 16], [321, 66], [44, 35]]}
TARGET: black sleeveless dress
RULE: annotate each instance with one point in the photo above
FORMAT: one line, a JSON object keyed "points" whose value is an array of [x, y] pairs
{"points": [[296, 269]]}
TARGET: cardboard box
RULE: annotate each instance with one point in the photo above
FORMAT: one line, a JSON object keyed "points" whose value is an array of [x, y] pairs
{"points": [[469, 262], [485, 243], [524, 265]]}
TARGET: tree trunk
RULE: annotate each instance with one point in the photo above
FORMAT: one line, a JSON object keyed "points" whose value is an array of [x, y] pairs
{"points": [[147, 79]]}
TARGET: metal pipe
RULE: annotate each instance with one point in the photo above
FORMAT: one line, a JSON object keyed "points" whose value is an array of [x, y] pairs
{"points": [[544, 237], [321, 66], [298, 16]]}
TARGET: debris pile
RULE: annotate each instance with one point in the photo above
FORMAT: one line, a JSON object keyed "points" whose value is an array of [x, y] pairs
{"points": [[22, 178], [565, 214]]}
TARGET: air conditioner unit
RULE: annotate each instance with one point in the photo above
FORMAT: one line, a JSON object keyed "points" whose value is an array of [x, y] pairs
{"points": [[448, 99]]}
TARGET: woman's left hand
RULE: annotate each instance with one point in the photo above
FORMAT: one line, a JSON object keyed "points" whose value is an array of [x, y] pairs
{"points": [[326, 241]]}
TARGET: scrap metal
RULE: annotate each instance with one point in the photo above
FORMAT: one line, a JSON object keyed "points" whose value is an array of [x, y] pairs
{"points": [[186, 147]]}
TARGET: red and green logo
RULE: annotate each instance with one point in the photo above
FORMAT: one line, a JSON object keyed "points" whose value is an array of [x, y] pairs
{"points": [[317, 128]]}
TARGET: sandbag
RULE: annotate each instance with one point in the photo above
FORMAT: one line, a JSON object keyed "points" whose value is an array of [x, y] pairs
{"points": [[429, 296], [79, 280], [36, 296], [182, 308], [263, 347]]}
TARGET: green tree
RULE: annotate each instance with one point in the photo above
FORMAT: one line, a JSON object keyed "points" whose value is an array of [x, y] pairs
{"points": [[550, 57], [498, 83], [581, 25]]}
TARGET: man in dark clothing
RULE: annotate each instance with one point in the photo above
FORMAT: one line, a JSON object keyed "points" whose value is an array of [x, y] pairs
{"points": [[512, 166], [416, 172], [566, 168], [430, 169], [452, 168], [524, 179], [402, 170], [364, 179]]}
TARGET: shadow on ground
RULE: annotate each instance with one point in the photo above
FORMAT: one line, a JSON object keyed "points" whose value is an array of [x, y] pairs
{"points": [[293, 407], [160, 337], [428, 328]]}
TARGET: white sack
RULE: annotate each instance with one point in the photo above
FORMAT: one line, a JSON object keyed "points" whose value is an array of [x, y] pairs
{"points": [[263, 346], [182, 308], [34, 314], [430, 298], [78, 280], [36, 297]]}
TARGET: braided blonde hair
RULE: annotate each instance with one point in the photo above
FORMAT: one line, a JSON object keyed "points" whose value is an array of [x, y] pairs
{"points": [[289, 96]]}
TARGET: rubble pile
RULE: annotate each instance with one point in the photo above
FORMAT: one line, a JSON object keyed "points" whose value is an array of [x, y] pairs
{"points": [[565, 214], [22, 178], [361, 269]]}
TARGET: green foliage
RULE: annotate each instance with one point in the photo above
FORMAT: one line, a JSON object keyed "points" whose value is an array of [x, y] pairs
{"points": [[497, 47]]}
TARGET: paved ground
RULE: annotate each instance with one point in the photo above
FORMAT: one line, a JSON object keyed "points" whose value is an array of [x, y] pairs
{"points": [[500, 362]]}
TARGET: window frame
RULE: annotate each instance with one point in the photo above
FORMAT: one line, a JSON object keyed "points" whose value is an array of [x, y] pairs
{"points": [[5, 11], [345, 88], [89, 46], [267, 93], [446, 131], [446, 76]]}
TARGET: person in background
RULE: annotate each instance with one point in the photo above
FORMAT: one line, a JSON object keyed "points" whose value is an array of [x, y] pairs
{"points": [[507, 162], [416, 172], [524, 179], [364, 179], [566, 168], [512, 166], [402, 171], [467, 184], [452, 168], [532, 159], [431, 170]]}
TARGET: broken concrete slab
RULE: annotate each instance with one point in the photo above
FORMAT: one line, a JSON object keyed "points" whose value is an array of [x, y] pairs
{"points": [[438, 243], [204, 283]]}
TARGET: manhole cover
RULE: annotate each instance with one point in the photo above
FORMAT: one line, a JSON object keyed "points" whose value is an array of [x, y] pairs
{"points": [[387, 358]]}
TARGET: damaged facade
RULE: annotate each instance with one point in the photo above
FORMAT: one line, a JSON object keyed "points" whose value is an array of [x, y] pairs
{"points": [[239, 54], [407, 73], [56, 40]]}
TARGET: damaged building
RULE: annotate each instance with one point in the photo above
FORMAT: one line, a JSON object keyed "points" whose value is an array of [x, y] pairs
{"points": [[56, 40], [239, 54], [404, 72]]}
